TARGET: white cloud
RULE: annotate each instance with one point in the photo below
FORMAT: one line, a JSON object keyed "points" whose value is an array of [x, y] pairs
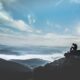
{"points": [[38, 31], [6, 30], [49, 23], [77, 28], [58, 2], [17, 24], [75, 1], [50, 36], [66, 30], [21, 25], [28, 56], [1, 6], [58, 26], [7, 1], [54, 25], [31, 19], [49, 39], [4, 16], [8, 20]]}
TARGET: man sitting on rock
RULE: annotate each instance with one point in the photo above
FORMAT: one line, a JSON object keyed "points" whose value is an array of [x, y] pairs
{"points": [[73, 48]]}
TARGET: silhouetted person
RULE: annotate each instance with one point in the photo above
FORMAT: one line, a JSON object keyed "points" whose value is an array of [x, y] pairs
{"points": [[73, 48], [73, 51]]}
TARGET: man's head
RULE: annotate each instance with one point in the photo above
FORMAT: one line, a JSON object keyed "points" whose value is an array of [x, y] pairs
{"points": [[75, 46], [73, 43]]}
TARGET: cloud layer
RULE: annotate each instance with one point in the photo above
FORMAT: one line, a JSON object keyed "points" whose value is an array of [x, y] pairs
{"points": [[20, 31]]}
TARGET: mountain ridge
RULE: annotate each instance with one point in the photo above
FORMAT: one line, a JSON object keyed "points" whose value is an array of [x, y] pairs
{"points": [[67, 68]]}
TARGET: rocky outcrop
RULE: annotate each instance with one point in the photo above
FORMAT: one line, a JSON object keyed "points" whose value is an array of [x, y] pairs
{"points": [[67, 68]]}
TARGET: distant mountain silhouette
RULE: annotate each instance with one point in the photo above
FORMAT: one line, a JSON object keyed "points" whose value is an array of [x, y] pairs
{"points": [[14, 71], [33, 63], [67, 68]]}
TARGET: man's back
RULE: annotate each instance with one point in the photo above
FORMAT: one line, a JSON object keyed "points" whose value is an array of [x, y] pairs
{"points": [[75, 46]]}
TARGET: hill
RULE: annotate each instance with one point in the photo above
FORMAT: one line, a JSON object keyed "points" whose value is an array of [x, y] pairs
{"points": [[33, 63], [13, 71]]}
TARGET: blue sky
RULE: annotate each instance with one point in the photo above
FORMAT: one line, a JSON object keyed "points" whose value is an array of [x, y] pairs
{"points": [[39, 22]]}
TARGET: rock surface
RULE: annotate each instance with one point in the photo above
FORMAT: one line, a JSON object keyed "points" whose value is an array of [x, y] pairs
{"points": [[67, 68]]}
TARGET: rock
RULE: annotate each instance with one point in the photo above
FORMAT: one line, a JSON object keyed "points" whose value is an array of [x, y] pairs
{"points": [[62, 69], [72, 54]]}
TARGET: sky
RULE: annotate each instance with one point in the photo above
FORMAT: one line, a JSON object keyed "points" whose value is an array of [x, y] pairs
{"points": [[39, 22]]}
